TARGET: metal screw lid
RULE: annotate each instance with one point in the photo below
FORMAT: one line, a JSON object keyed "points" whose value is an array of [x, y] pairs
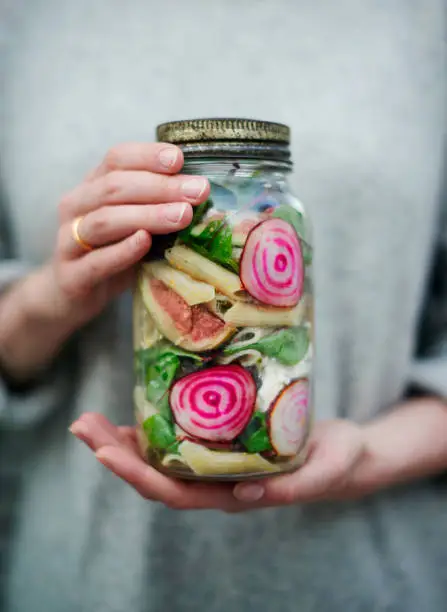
{"points": [[228, 130]]}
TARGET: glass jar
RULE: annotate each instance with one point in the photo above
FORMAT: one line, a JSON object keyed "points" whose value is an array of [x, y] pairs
{"points": [[223, 314]]}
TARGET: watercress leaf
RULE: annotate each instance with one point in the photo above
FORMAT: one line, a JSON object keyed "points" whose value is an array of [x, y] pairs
{"points": [[255, 438], [160, 432]]}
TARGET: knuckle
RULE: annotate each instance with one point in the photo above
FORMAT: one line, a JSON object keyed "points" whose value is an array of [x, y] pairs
{"points": [[99, 222], [112, 186], [113, 157]]}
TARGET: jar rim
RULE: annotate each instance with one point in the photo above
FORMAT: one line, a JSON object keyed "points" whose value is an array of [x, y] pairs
{"points": [[223, 130]]}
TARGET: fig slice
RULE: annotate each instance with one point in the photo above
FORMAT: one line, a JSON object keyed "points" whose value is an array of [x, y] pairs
{"points": [[193, 328], [289, 418]]}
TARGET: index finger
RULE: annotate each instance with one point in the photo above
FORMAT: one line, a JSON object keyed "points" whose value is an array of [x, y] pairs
{"points": [[157, 157], [153, 485]]}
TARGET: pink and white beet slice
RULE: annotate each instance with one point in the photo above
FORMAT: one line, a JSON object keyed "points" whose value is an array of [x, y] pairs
{"points": [[289, 418], [271, 266], [214, 404]]}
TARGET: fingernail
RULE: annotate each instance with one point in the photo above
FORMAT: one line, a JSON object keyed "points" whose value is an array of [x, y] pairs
{"points": [[194, 188], [248, 492], [176, 212], [168, 157], [78, 428]]}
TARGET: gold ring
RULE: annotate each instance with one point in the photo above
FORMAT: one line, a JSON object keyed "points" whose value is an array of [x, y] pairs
{"points": [[75, 231]]}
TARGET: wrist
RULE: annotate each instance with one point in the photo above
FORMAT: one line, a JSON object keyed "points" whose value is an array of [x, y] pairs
{"points": [[34, 324], [42, 302], [372, 472]]}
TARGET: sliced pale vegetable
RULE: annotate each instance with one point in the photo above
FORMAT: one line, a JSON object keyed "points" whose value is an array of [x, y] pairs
{"points": [[271, 266], [203, 269], [249, 315], [247, 357], [206, 462], [194, 328], [214, 404], [191, 290], [145, 332], [289, 418]]}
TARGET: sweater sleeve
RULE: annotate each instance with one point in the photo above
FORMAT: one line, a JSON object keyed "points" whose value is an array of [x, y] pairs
{"points": [[429, 369], [24, 406]]}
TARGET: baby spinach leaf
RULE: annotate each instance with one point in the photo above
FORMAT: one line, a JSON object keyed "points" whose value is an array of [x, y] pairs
{"points": [[288, 346], [159, 377], [149, 355], [255, 438], [160, 433]]}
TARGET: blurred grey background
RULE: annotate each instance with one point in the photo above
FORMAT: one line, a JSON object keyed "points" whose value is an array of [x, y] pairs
{"points": [[79, 76]]}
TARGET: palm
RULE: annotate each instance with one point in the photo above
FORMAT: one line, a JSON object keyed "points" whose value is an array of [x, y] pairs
{"points": [[335, 450]]}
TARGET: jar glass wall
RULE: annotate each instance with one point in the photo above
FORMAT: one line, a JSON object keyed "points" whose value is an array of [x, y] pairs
{"points": [[223, 329]]}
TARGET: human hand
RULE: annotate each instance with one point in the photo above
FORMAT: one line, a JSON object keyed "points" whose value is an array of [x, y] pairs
{"points": [[117, 449], [337, 450], [131, 195]]}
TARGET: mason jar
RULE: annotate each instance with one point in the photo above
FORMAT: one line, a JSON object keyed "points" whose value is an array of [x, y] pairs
{"points": [[223, 314]]}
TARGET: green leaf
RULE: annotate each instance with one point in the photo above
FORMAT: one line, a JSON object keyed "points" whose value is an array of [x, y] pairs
{"points": [[199, 213], [160, 433], [288, 346], [255, 438], [296, 219], [292, 216], [215, 242], [147, 357], [209, 232], [222, 244], [159, 377]]}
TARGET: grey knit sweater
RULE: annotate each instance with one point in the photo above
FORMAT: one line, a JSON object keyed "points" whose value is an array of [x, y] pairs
{"points": [[362, 85]]}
